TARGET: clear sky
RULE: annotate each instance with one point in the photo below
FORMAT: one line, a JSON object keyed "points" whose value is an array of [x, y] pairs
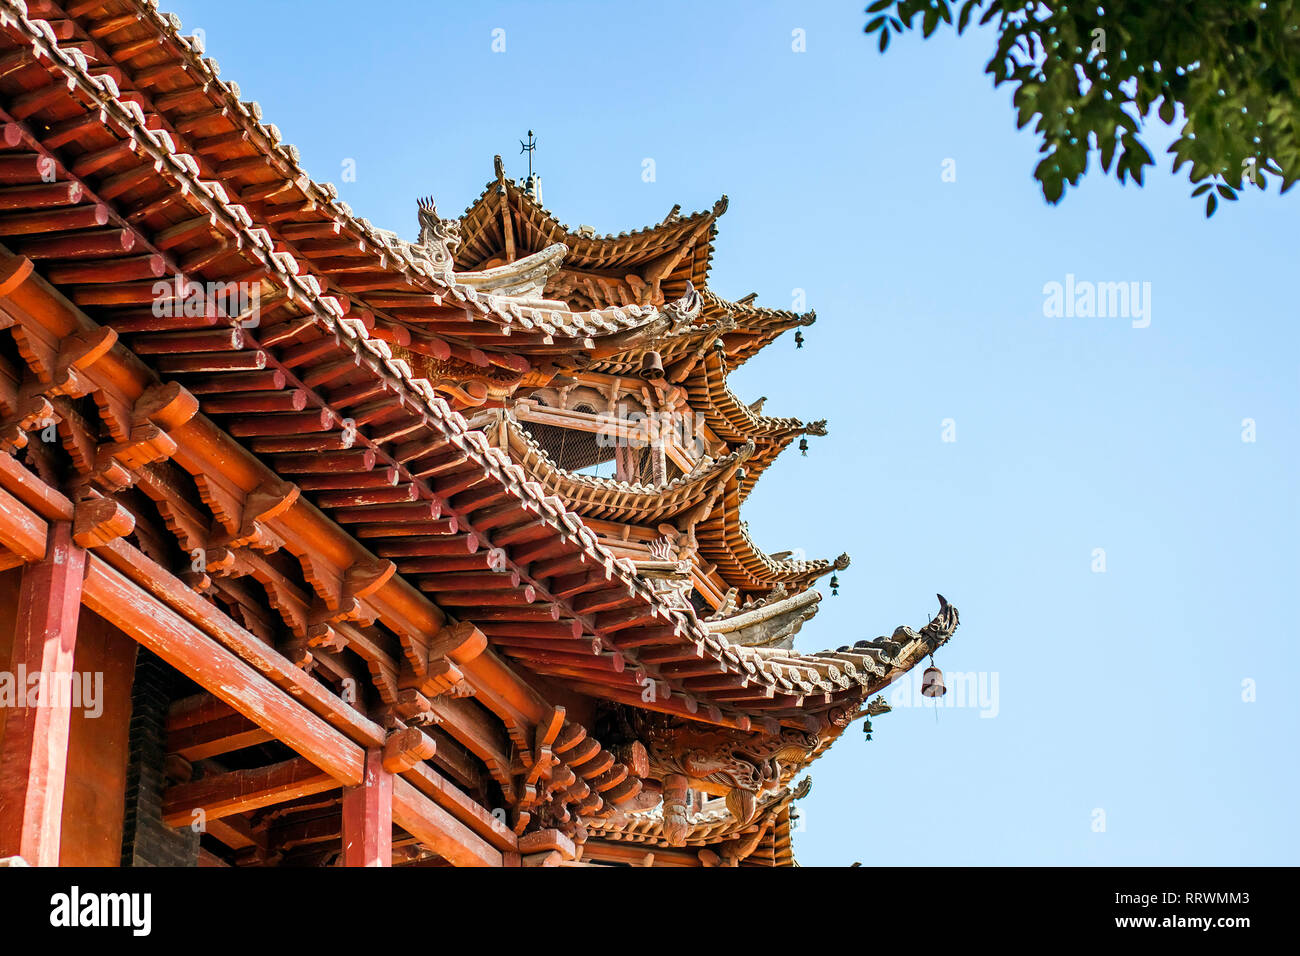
{"points": [[1119, 691]]}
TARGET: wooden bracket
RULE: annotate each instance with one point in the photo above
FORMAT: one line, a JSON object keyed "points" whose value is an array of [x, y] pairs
{"points": [[543, 841], [460, 642], [404, 748], [415, 708], [359, 581], [100, 520], [14, 271], [544, 759], [77, 354], [33, 412], [325, 637], [169, 406], [158, 410], [269, 501], [454, 645], [224, 561], [365, 578], [117, 462]]}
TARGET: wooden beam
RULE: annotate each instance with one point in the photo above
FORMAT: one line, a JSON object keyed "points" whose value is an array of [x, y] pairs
{"points": [[635, 854], [22, 531], [197, 656], [189, 650], [169, 590], [34, 749], [439, 830], [214, 737], [368, 816], [240, 791]]}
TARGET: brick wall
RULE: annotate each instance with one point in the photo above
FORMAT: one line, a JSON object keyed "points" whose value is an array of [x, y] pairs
{"points": [[146, 840]]}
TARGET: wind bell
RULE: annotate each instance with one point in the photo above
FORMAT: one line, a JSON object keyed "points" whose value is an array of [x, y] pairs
{"points": [[835, 585], [803, 446], [932, 681], [798, 339]]}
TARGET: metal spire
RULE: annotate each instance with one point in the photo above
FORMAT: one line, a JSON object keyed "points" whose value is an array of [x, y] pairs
{"points": [[528, 148]]}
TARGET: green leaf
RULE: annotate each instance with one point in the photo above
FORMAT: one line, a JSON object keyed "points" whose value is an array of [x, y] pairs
{"points": [[963, 18], [1053, 189], [1107, 152]]}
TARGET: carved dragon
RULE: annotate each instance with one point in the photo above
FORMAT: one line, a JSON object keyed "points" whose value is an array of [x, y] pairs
{"points": [[744, 765], [438, 240]]}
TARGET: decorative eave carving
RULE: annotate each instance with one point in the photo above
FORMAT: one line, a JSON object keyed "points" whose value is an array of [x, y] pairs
{"points": [[524, 279], [728, 763], [438, 240]]}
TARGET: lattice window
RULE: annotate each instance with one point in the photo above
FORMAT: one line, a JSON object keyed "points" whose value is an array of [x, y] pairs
{"points": [[586, 453]]}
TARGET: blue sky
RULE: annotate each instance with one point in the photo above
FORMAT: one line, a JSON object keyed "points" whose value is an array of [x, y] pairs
{"points": [[1120, 691]]}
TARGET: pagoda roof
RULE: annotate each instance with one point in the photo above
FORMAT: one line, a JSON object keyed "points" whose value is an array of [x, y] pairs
{"points": [[725, 541], [746, 327], [377, 278], [483, 237], [737, 422], [739, 330], [614, 500], [752, 327]]}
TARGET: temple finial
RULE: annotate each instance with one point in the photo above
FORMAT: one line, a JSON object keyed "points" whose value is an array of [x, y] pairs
{"points": [[528, 148], [533, 184]]}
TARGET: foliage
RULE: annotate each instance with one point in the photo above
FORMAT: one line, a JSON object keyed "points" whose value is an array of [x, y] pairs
{"points": [[1227, 70]]}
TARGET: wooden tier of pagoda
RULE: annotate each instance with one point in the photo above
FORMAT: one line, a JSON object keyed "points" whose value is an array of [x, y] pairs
{"points": [[385, 552]]}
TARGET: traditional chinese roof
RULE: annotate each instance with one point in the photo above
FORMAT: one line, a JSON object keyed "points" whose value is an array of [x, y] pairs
{"points": [[738, 422], [506, 226], [413, 514], [507, 523], [615, 500], [505, 223], [724, 540], [772, 621]]}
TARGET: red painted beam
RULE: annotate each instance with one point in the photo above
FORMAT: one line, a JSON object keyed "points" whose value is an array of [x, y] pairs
{"points": [[208, 664], [439, 830]]}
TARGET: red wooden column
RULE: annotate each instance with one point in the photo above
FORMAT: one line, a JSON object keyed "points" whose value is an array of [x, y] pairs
{"points": [[368, 816], [34, 753]]}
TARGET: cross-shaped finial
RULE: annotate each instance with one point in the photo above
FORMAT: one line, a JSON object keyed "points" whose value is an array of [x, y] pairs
{"points": [[528, 148]]}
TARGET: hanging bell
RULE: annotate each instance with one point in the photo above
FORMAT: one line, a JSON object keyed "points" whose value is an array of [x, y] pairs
{"points": [[835, 584], [803, 446], [798, 340], [932, 683], [652, 367]]}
